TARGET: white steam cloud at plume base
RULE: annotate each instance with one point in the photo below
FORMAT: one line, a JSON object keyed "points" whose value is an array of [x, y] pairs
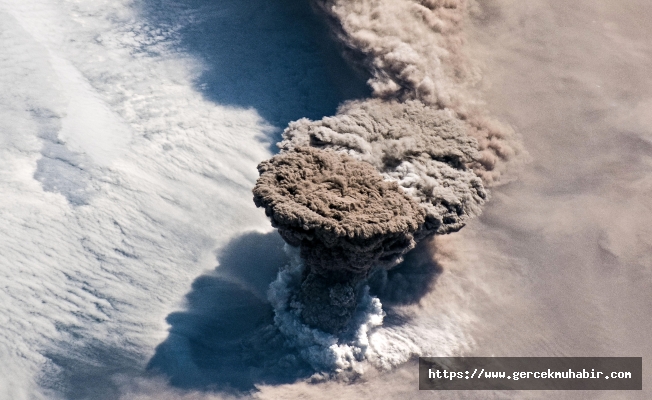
{"points": [[365, 343], [108, 252], [421, 131]]}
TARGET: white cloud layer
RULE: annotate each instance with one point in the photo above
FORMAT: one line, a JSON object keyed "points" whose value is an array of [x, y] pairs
{"points": [[118, 180]]}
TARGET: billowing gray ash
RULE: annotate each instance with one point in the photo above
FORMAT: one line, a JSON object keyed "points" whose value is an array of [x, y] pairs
{"points": [[345, 218], [426, 151], [357, 190]]}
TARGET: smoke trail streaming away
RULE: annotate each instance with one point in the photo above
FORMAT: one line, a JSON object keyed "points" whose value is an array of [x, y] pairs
{"points": [[357, 190]]}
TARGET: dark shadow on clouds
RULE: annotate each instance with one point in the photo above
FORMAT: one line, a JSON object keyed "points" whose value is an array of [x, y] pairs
{"points": [[406, 283], [225, 339], [273, 55]]}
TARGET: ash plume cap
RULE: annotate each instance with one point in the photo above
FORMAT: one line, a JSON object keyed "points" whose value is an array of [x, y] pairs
{"points": [[426, 151], [339, 210]]}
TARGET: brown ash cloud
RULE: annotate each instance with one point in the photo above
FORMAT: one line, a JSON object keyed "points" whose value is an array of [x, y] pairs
{"points": [[357, 190], [424, 150], [415, 49]]}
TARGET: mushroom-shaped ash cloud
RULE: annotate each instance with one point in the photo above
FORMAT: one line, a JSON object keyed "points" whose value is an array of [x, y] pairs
{"points": [[346, 219], [357, 190]]}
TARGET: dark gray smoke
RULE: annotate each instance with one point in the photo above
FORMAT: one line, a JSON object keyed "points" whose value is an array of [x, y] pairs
{"points": [[357, 190]]}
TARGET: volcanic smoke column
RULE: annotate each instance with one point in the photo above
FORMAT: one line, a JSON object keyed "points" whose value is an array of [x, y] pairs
{"points": [[356, 191], [345, 218]]}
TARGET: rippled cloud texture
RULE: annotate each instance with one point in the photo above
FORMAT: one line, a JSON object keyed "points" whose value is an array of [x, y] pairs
{"points": [[129, 147], [119, 180]]}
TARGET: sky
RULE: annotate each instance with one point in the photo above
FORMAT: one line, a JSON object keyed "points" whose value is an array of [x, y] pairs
{"points": [[133, 259]]}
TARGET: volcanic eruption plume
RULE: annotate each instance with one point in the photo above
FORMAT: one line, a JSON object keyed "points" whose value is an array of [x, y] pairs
{"points": [[356, 191]]}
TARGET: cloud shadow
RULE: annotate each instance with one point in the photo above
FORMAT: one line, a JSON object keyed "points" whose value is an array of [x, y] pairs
{"points": [[225, 340], [273, 55], [407, 283]]}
